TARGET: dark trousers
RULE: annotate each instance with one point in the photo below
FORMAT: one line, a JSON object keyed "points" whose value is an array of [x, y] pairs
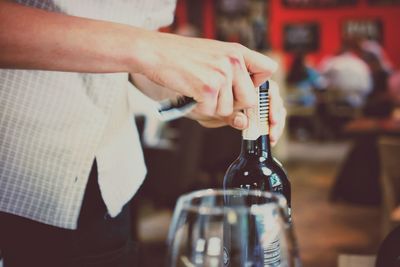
{"points": [[99, 241]]}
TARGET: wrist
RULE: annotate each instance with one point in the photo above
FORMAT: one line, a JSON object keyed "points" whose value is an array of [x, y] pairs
{"points": [[140, 55]]}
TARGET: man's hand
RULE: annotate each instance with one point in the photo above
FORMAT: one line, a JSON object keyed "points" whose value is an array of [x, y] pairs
{"points": [[216, 74], [220, 76], [238, 119]]}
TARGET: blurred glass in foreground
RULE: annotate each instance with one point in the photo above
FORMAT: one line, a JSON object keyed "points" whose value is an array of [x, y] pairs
{"points": [[231, 228]]}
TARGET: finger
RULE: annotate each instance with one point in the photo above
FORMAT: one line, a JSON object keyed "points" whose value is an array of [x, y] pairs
{"points": [[208, 95], [214, 123], [275, 102], [207, 107], [277, 130], [277, 114], [225, 96], [238, 120], [243, 88], [260, 66]]}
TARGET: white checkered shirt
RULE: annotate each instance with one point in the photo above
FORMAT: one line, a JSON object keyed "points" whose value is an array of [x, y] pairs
{"points": [[53, 125]]}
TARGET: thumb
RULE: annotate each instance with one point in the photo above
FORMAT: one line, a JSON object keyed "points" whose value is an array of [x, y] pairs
{"points": [[237, 120]]}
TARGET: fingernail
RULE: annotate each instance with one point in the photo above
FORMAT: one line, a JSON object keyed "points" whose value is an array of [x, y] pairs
{"points": [[238, 122]]}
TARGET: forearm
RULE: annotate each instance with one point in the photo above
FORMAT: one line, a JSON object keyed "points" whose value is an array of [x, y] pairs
{"points": [[215, 74], [31, 38]]}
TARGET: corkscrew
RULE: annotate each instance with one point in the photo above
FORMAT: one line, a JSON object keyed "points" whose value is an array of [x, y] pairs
{"points": [[264, 101], [172, 109]]}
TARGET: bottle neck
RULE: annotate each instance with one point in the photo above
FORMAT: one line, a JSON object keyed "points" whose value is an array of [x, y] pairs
{"points": [[261, 147], [256, 141]]}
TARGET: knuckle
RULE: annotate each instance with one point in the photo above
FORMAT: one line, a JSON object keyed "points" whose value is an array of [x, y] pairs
{"points": [[234, 54], [212, 85], [237, 46], [234, 58], [209, 85], [235, 50], [220, 79], [224, 69], [209, 89]]}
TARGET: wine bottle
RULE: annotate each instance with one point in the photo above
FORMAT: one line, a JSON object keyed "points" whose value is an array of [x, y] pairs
{"points": [[256, 168]]}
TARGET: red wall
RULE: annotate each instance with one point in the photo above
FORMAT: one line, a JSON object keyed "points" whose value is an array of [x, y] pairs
{"points": [[330, 20]]}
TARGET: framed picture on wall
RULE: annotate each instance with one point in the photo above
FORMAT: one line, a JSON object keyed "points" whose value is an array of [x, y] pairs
{"points": [[301, 37], [371, 29], [243, 21], [317, 3]]}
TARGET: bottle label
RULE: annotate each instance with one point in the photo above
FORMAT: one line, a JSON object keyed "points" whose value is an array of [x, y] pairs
{"points": [[258, 116], [276, 183], [226, 257], [268, 228]]}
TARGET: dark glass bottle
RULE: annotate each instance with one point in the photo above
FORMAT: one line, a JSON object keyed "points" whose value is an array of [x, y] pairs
{"points": [[256, 169]]}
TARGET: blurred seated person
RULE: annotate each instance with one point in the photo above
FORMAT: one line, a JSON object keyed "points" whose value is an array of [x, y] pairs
{"points": [[381, 68], [373, 47], [304, 79], [349, 76]]}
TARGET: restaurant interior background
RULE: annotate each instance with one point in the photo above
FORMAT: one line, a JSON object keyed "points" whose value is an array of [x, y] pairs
{"points": [[340, 80]]}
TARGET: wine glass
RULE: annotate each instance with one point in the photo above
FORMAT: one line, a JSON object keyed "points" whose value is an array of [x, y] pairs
{"points": [[235, 228]]}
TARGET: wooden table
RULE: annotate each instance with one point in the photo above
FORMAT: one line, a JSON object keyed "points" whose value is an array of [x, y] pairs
{"points": [[365, 126], [357, 260]]}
